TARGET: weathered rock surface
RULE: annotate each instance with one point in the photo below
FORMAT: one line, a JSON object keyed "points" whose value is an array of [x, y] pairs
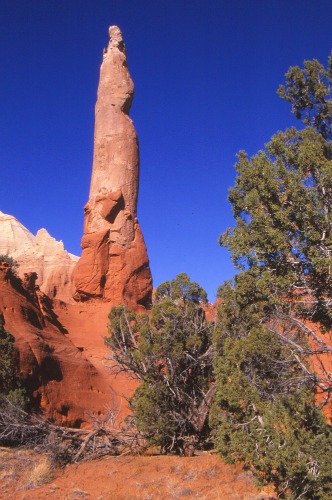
{"points": [[56, 373], [41, 254], [61, 342], [114, 263]]}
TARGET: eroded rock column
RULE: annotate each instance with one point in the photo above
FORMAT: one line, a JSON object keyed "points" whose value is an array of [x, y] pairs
{"points": [[114, 263]]}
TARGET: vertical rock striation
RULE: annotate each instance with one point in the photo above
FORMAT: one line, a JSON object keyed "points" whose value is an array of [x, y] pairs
{"points": [[114, 263]]}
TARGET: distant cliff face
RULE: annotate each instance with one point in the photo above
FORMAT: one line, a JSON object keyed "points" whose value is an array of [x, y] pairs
{"points": [[114, 263], [41, 254]]}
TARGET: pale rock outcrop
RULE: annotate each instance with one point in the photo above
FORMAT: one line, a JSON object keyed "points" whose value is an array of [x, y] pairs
{"points": [[14, 237], [42, 254], [114, 263]]}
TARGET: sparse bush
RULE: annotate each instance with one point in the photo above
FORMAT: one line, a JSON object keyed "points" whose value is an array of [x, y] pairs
{"points": [[7, 367], [11, 263], [11, 393], [170, 353], [59, 452]]}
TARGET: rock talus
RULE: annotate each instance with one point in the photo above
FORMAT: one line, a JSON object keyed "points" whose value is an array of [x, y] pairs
{"points": [[114, 264]]}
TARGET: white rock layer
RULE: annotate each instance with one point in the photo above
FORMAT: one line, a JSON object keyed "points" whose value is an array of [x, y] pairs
{"points": [[42, 254]]}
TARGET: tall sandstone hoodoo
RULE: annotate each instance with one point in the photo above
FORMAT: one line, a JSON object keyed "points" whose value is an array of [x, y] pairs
{"points": [[114, 264]]}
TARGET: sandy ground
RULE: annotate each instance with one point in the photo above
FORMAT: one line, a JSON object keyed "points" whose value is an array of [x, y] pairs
{"points": [[123, 478]]}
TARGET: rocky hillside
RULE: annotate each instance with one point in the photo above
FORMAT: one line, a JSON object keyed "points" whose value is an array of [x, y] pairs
{"points": [[42, 254], [56, 373]]}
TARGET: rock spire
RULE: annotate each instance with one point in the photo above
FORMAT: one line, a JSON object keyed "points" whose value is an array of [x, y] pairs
{"points": [[114, 263]]}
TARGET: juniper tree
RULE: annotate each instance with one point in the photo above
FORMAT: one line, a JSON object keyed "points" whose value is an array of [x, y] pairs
{"points": [[277, 313], [282, 206], [170, 354], [7, 366]]}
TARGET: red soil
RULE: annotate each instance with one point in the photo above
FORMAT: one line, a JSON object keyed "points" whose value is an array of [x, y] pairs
{"points": [[124, 478]]}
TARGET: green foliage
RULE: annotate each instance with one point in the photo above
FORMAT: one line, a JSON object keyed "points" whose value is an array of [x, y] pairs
{"points": [[264, 412], [125, 328], [309, 91], [10, 389], [181, 288], [11, 263], [7, 367], [265, 416], [282, 196], [282, 206], [170, 353]]}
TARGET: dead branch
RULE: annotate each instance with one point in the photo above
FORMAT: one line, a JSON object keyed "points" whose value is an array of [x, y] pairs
{"points": [[64, 444]]}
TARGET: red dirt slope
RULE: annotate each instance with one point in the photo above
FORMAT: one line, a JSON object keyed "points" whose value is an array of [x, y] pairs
{"points": [[55, 371]]}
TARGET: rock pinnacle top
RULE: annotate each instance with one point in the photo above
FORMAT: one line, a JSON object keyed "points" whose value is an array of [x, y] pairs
{"points": [[116, 37]]}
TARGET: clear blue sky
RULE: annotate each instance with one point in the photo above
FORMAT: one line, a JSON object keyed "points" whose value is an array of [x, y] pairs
{"points": [[206, 74]]}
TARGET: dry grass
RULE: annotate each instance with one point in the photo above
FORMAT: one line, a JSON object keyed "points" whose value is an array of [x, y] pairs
{"points": [[8, 474], [191, 475], [172, 489], [176, 469], [212, 472], [202, 477], [77, 493], [12, 465], [40, 473]]}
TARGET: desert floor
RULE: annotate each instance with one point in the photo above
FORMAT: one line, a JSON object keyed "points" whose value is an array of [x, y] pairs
{"points": [[25, 475]]}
